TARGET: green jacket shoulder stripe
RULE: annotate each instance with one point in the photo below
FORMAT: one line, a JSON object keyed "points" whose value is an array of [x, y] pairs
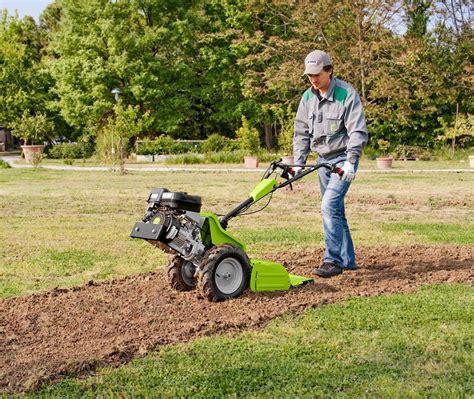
{"points": [[308, 95], [340, 94]]}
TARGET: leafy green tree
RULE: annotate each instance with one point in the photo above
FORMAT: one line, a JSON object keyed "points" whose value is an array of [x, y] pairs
{"points": [[22, 80], [25, 81], [32, 129], [137, 46], [417, 14], [168, 58], [263, 41], [461, 130], [118, 131]]}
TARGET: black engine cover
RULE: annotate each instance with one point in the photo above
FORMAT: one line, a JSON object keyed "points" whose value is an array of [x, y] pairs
{"points": [[176, 200]]}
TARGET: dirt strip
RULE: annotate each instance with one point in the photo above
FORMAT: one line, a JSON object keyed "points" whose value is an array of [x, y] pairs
{"points": [[73, 331]]}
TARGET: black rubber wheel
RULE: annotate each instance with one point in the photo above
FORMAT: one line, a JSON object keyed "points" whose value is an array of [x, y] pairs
{"points": [[224, 274], [180, 273]]}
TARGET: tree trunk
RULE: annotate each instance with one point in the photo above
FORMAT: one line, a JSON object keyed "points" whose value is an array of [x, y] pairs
{"points": [[268, 136]]}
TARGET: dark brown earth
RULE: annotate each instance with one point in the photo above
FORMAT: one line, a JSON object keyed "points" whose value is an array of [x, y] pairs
{"points": [[73, 331]]}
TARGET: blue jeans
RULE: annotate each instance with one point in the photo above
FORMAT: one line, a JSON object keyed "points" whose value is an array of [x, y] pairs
{"points": [[337, 237]]}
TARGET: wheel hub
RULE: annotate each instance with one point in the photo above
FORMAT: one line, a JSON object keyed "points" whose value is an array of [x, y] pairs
{"points": [[229, 275]]}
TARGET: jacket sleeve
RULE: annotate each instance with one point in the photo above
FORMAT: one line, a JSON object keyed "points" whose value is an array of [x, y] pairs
{"points": [[354, 120], [301, 138]]}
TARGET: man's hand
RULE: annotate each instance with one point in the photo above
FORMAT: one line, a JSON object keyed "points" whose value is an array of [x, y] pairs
{"points": [[349, 172]]}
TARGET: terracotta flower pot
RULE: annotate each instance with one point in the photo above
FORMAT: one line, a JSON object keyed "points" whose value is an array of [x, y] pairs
{"points": [[471, 161], [30, 150], [384, 162], [251, 162]]}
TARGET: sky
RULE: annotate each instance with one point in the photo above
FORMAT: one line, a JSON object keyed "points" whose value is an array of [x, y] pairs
{"points": [[25, 7]]}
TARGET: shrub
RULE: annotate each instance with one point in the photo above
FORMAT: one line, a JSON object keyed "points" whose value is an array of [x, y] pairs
{"points": [[232, 145], [37, 159], [267, 156], [71, 151], [33, 129], [249, 138], [188, 159], [411, 152], [162, 145], [461, 132], [165, 145], [214, 143], [383, 146], [145, 147], [183, 148], [225, 157], [4, 164]]}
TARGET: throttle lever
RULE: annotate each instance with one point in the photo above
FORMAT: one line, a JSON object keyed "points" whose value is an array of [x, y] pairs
{"points": [[287, 174]]}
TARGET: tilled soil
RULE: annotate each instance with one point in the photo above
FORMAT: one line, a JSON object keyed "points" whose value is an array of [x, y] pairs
{"points": [[73, 331]]}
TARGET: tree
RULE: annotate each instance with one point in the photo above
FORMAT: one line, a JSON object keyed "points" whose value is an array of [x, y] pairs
{"points": [[417, 14], [120, 127], [456, 15], [32, 129], [136, 46], [23, 81], [168, 57]]}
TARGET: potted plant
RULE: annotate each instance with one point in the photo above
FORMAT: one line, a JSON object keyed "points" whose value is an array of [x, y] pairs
{"points": [[249, 142], [34, 130], [385, 161]]}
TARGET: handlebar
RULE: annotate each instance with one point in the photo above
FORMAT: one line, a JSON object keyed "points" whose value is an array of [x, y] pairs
{"points": [[285, 174], [288, 175]]}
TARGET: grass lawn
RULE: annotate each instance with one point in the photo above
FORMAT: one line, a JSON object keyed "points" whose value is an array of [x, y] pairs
{"points": [[403, 346], [63, 228]]}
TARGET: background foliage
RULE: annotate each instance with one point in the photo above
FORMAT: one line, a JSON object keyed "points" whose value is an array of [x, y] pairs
{"points": [[195, 67]]}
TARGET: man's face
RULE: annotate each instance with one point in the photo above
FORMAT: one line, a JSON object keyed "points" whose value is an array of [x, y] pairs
{"points": [[320, 81]]}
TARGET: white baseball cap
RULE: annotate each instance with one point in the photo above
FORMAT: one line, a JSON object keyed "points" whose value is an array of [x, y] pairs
{"points": [[315, 61]]}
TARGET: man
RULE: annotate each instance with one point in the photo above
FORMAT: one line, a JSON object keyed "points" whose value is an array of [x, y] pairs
{"points": [[330, 121]]}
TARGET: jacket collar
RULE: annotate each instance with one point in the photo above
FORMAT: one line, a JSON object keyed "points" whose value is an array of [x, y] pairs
{"points": [[329, 94]]}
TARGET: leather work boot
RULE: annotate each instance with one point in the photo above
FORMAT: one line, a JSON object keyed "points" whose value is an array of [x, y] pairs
{"points": [[327, 270]]}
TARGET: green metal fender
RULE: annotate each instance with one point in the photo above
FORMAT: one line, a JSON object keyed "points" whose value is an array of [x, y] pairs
{"points": [[265, 275], [272, 276], [218, 234]]}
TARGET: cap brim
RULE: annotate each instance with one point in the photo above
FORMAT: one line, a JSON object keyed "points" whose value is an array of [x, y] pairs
{"points": [[313, 69]]}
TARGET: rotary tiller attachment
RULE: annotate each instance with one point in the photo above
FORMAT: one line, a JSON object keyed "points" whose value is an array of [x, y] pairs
{"points": [[202, 254]]}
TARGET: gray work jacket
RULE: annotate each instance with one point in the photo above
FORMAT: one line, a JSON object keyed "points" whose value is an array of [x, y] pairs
{"points": [[331, 125]]}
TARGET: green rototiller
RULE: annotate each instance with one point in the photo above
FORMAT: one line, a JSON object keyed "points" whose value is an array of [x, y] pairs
{"points": [[203, 254]]}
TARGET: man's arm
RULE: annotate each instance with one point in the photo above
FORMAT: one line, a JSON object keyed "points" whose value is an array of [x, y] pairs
{"points": [[354, 120]]}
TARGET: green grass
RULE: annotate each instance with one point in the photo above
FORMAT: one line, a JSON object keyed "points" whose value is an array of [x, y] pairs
{"points": [[62, 228], [435, 232], [417, 345]]}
